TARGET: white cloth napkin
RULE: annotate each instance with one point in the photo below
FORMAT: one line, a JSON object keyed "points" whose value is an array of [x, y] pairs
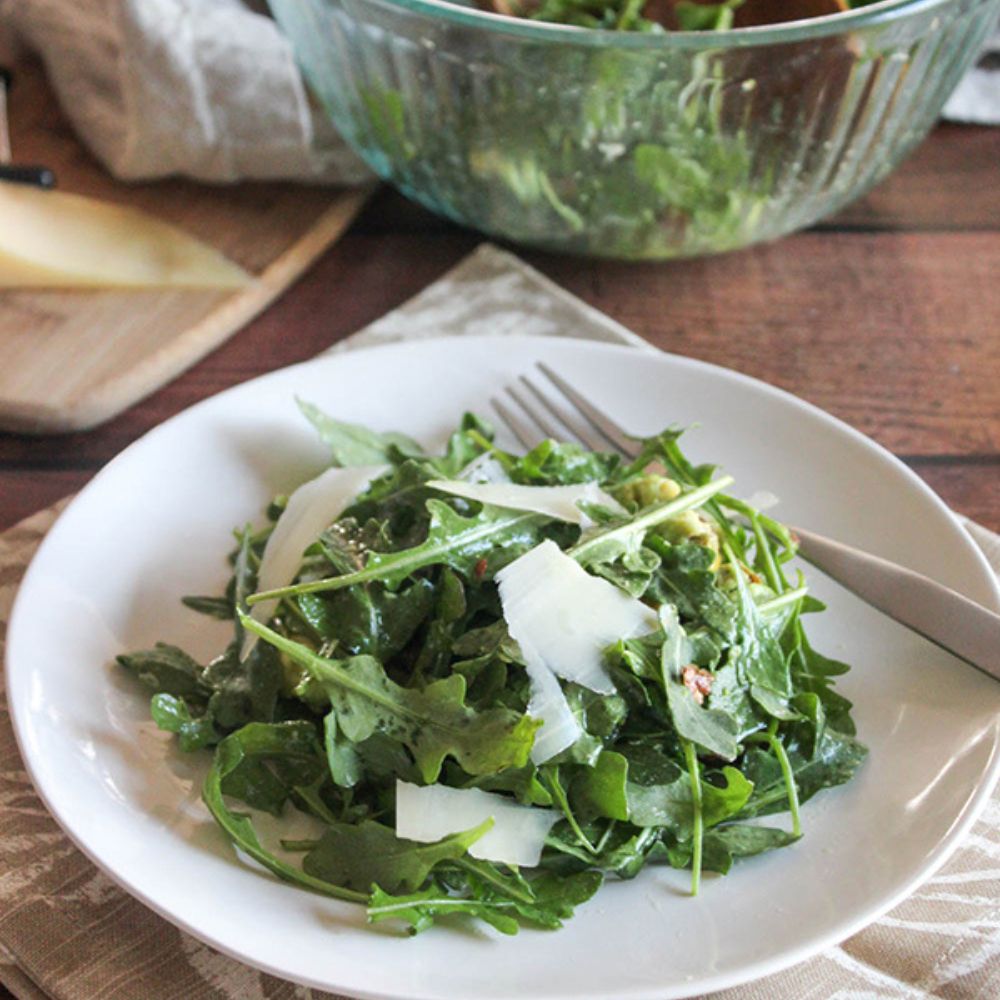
{"points": [[210, 89], [977, 98], [204, 88]]}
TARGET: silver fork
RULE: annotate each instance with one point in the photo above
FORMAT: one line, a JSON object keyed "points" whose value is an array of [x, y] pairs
{"points": [[938, 613]]}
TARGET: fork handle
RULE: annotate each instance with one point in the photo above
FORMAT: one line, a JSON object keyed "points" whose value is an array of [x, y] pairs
{"points": [[936, 612]]}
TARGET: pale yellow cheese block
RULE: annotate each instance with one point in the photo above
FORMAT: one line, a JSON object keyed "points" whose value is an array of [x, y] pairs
{"points": [[53, 239]]}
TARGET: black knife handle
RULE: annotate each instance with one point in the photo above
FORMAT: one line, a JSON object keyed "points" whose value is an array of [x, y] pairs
{"points": [[36, 176]]}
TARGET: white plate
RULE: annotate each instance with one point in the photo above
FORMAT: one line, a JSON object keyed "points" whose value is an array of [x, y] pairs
{"points": [[155, 525]]}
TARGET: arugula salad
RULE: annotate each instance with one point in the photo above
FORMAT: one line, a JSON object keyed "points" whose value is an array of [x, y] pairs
{"points": [[487, 682], [610, 151], [669, 15]]}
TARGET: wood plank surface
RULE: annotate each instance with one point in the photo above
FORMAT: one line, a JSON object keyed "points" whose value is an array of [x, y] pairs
{"points": [[949, 183], [74, 358], [886, 316]]}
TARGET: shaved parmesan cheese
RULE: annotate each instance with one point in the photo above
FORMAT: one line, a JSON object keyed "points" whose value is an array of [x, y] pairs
{"points": [[59, 240], [763, 500], [560, 728], [485, 468], [428, 813], [560, 613], [559, 502], [563, 619], [312, 508]]}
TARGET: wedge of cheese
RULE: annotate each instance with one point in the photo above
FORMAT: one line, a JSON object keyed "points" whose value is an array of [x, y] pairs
{"points": [[563, 619], [560, 502], [312, 508], [57, 240], [429, 812]]}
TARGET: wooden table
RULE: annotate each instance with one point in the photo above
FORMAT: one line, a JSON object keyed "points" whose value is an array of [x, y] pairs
{"points": [[887, 316]]}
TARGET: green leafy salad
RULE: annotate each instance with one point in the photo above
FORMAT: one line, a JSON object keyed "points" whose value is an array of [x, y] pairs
{"points": [[669, 15], [485, 682], [621, 152]]}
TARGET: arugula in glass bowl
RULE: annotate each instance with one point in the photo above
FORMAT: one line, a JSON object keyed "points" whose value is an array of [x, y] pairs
{"points": [[669, 15], [491, 681]]}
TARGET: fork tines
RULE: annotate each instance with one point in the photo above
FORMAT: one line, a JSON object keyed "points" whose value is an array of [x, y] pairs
{"points": [[573, 417]]}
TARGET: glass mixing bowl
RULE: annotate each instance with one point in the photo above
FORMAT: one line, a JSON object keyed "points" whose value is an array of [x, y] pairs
{"points": [[632, 145]]}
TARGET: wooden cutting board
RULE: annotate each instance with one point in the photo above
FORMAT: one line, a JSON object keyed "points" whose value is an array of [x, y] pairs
{"points": [[72, 359]]}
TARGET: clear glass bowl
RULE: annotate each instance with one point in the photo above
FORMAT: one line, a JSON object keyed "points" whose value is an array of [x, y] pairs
{"points": [[632, 145]]}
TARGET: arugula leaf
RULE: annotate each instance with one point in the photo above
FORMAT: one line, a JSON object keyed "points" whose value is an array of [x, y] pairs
{"points": [[352, 444], [812, 672], [522, 782], [494, 534], [598, 717], [244, 581], [484, 879], [487, 641], [433, 723], [624, 538], [653, 791], [552, 463], [369, 619], [550, 775], [172, 714], [706, 16], [233, 754], [419, 909], [603, 788], [670, 805], [555, 898], [342, 756], [214, 607], [490, 651], [729, 694], [388, 516], [714, 729], [726, 844], [360, 855], [759, 658], [835, 761], [685, 580], [809, 735], [167, 669], [501, 901], [743, 841], [465, 445], [450, 608], [632, 572], [627, 855], [265, 762], [243, 690], [641, 656]]}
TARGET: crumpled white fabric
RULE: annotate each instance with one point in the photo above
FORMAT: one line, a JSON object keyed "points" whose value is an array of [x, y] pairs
{"points": [[977, 97], [204, 88]]}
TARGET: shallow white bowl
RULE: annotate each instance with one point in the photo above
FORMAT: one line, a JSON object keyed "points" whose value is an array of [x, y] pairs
{"points": [[155, 524]]}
